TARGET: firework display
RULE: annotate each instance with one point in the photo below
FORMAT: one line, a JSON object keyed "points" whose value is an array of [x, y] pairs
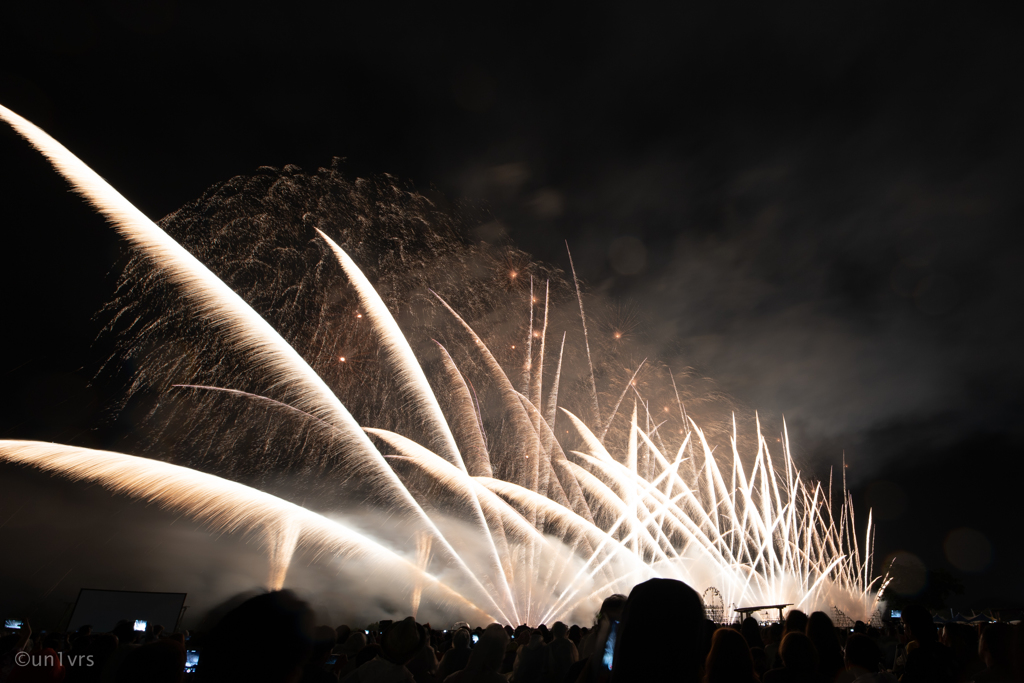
{"points": [[517, 477]]}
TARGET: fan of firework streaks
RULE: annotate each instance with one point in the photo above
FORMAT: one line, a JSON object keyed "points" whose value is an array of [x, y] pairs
{"points": [[526, 464]]}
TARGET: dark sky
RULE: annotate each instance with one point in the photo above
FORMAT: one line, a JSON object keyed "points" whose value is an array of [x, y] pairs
{"points": [[819, 203]]}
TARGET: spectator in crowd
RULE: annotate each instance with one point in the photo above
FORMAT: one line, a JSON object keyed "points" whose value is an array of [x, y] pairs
{"points": [[154, 633], [590, 669], [562, 653], [324, 640], [772, 642], [341, 633], [575, 635], [423, 664], [660, 635], [531, 659], [822, 633], [266, 638], [928, 660], [399, 644], [485, 659], [888, 642], [349, 652], [125, 633], [760, 662], [862, 659], [729, 660], [457, 657], [996, 650], [751, 633], [962, 640], [796, 622], [611, 611], [799, 661], [516, 640]]}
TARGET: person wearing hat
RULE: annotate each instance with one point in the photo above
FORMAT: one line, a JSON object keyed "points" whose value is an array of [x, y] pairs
{"points": [[399, 644]]}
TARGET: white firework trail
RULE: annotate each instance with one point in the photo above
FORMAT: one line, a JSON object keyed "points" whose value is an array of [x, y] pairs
{"points": [[227, 506]]}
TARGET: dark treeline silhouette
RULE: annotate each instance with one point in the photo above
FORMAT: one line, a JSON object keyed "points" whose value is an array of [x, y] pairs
{"points": [[657, 633]]}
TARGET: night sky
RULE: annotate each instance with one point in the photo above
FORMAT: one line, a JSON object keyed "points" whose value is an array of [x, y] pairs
{"points": [[818, 203]]}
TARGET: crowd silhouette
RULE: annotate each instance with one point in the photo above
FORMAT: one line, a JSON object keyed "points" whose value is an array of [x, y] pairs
{"points": [[658, 633]]}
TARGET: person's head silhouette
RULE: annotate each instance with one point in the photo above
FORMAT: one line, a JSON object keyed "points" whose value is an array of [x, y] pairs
{"points": [[659, 637]]}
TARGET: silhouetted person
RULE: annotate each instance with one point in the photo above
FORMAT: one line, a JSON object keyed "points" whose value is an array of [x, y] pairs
{"points": [[760, 661], [751, 633], [125, 633], [822, 633], [531, 659], [862, 659], [562, 653], [485, 659], [324, 640], [516, 640], [342, 632], [962, 640], [457, 657], [350, 650], [996, 650], [575, 634], [796, 622], [611, 611], [160, 661], [400, 643], [772, 642], [266, 638], [729, 660], [799, 661], [660, 635], [423, 664], [930, 661], [154, 633]]}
